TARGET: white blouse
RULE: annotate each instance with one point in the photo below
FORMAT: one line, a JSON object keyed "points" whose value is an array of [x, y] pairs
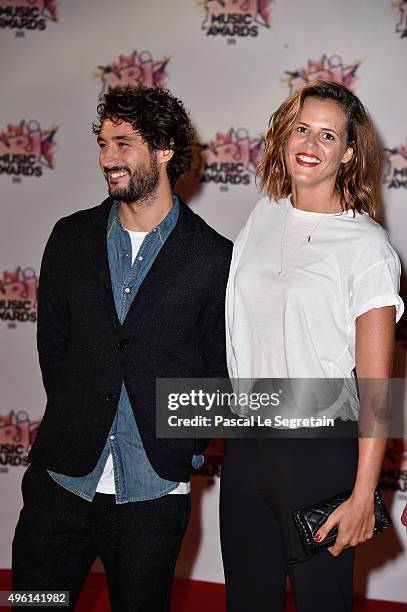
{"points": [[297, 283]]}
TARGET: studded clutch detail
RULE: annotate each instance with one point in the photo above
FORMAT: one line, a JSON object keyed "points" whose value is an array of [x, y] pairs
{"points": [[309, 520]]}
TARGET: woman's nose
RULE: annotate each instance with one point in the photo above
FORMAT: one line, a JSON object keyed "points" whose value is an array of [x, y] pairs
{"points": [[312, 140]]}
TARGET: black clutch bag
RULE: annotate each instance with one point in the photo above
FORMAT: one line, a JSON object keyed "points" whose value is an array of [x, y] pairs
{"points": [[308, 521]]}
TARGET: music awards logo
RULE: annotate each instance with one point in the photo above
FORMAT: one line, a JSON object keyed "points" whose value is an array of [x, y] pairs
{"points": [[393, 475], [27, 14], [331, 68], [131, 68], [18, 296], [395, 170], [17, 434], [26, 149], [230, 159], [401, 27], [235, 18]]}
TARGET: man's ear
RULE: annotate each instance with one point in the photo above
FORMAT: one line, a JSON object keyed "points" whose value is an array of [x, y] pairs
{"points": [[347, 156], [164, 155]]}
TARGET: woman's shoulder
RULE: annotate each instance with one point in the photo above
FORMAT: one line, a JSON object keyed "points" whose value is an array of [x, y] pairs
{"points": [[369, 231], [270, 205], [261, 212], [371, 242], [266, 208]]}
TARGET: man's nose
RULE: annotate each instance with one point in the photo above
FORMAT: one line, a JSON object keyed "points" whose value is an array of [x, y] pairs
{"points": [[108, 156]]}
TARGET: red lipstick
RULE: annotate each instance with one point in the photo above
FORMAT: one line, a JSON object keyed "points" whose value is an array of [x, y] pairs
{"points": [[308, 160]]}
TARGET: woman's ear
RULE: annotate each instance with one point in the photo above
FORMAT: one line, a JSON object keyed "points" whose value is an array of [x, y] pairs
{"points": [[347, 156]]}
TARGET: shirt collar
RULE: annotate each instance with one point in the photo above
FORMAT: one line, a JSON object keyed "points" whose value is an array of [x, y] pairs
{"points": [[164, 228]]}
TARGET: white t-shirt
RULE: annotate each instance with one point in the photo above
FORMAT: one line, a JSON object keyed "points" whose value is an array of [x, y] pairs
{"points": [[106, 482], [292, 303]]}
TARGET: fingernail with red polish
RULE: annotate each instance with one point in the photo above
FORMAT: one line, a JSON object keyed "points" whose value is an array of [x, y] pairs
{"points": [[318, 537]]}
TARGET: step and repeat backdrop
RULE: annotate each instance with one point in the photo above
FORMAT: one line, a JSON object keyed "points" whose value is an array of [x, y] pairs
{"points": [[232, 62]]}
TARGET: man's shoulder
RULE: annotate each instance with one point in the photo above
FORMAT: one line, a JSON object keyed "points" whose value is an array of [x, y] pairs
{"points": [[81, 219], [209, 236]]}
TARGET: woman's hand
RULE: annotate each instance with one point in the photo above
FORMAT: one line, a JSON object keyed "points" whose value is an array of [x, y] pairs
{"points": [[355, 520]]}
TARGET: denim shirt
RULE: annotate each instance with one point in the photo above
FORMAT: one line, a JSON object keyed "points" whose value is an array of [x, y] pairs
{"points": [[135, 478]]}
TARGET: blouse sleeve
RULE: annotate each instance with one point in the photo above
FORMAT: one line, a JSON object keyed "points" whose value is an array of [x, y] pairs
{"points": [[376, 281]]}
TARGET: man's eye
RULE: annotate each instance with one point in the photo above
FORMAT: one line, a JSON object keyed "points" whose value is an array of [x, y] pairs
{"points": [[123, 144], [101, 145]]}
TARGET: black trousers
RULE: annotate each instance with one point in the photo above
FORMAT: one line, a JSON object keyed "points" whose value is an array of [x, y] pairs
{"points": [[262, 482], [59, 535]]}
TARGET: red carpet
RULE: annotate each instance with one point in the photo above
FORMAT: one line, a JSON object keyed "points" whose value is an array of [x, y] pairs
{"points": [[187, 596]]}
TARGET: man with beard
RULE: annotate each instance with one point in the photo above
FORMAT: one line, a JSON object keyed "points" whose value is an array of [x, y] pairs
{"points": [[130, 291]]}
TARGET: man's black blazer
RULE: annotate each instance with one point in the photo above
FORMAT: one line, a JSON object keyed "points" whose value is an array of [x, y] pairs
{"points": [[174, 328]]}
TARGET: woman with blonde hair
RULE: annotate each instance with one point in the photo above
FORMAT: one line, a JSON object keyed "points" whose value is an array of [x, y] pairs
{"points": [[312, 294]]}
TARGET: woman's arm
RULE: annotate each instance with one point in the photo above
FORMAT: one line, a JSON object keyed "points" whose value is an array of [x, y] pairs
{"points": [[375, 332], [374, 359]]}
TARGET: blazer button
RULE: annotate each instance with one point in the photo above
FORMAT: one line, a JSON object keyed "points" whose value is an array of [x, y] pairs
{"points": [[122, 345], [110, 398]]}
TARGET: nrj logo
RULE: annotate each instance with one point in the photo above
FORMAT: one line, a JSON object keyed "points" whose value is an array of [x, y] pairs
{"points": [[401, 27], [327, 68], [395, 171], [17, 434], [132, 68], [27, 14], [18, 296], [26, 150], [231, 158], [235, 17]]}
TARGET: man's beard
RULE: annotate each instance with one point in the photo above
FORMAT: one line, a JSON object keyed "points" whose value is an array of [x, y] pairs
{"points": [[142, 183]]}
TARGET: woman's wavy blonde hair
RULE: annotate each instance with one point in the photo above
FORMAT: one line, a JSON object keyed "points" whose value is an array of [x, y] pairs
{"points": [[357, 180]]}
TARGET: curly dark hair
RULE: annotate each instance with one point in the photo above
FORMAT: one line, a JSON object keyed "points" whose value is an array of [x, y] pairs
{"points": [[158, 116]]}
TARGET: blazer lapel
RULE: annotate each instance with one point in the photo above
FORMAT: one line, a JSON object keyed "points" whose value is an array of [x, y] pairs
{"points": [[173, 253]]}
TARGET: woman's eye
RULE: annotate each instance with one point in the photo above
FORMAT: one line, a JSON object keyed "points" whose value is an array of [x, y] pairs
{"points": [[328, 136], [301, 129]]}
